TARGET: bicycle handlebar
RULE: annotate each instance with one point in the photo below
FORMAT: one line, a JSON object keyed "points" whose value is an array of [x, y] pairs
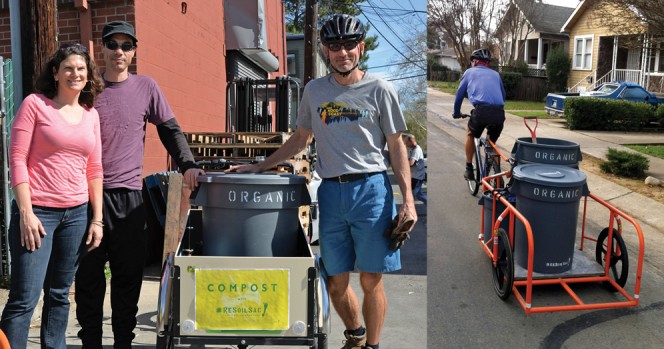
{"points": [[461, 116]]}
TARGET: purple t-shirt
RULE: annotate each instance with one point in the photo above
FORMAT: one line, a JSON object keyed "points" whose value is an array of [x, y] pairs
{"points": [[124, 108]]}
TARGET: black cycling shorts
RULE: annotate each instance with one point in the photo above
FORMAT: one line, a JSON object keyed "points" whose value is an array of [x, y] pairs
{"points": [[490, 117]]}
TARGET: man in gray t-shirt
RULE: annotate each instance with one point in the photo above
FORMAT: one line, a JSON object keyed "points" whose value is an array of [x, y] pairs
{"points": [[356, 120]]}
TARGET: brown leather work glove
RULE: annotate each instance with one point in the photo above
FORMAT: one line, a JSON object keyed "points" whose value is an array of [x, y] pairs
{"points": [[397, 231]]}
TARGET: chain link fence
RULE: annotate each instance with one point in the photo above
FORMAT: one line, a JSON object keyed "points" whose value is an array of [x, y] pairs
{"points": [[7, 112]]}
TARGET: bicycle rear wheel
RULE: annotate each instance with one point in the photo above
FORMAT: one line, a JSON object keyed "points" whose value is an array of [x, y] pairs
{"points": [[492, 168], [474, 184]]}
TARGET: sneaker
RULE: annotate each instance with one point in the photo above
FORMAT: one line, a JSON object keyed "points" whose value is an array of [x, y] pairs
{"points": [[469, 175], [354, 342], [368, 346]]}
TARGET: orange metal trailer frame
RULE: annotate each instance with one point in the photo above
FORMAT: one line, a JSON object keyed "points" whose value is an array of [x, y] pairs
{"points": [[525, 299]]}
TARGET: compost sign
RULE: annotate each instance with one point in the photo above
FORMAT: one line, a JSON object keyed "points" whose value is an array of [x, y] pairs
{"points": [[241, 299]]}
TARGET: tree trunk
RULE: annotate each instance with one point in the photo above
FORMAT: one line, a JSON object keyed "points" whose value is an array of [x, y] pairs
{"points": [[39, 38]]}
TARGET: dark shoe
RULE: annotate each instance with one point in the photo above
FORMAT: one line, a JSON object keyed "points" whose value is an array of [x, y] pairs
{"points": [[469, 175], [354, 342]]}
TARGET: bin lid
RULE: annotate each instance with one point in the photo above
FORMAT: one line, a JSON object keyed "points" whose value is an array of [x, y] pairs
{"points": [[251, 178], [550, 143], [551, 175]]}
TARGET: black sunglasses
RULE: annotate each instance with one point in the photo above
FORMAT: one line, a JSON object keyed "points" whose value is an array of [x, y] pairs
{"points": [[113, 45], [349, 45]]}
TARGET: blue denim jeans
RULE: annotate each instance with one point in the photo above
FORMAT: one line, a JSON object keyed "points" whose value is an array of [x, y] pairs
{"points": [[51, 267], [416, 185]]}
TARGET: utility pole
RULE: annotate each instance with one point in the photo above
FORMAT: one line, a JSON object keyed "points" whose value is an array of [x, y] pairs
{"points": [[38, 37], [310, 39]]}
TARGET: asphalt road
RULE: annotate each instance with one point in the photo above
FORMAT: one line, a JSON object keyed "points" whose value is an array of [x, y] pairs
{"points": [[464, 311]]}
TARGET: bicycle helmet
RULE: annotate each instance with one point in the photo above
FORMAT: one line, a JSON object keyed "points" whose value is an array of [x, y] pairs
{"points": [[342, 28], [481, 54]]}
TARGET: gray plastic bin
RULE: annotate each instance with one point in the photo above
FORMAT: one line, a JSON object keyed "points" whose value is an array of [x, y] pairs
{"points": [[250, 214], [487, 202], [546, 151], [548, 197]]}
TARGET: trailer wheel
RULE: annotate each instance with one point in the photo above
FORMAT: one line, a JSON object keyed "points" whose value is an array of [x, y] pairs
{"points": [[165, 305], [503, 271], [322, 317], [618, 262]]}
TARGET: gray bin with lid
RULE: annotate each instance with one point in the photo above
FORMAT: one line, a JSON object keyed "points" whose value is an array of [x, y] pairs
{"points": [[250, 214], [487, 202], [546, 151], [548, 196]]}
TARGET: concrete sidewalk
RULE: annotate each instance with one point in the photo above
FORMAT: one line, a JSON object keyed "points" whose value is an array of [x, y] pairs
{"points": [[595, 143]]}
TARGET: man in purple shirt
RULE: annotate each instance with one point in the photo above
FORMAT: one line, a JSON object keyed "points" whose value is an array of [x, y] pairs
{"points": [[127, 103], [484, 88]]}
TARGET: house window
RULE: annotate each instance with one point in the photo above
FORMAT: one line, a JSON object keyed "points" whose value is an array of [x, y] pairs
{"points": [[583, 52], [657, 59]]}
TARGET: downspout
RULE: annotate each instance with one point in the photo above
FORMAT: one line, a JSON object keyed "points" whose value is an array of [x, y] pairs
{"points": [[85, 25], [17, 58]]}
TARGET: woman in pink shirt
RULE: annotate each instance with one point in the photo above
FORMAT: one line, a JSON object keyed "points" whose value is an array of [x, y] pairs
{"points": [[56, 176]]}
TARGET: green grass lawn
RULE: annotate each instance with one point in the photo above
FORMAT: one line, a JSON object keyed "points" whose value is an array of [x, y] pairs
{"points": [[447, 87], [656, 150], [524, 105]]}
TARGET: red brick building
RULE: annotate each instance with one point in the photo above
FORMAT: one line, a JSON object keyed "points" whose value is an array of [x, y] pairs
{"points": [[185, 47]]}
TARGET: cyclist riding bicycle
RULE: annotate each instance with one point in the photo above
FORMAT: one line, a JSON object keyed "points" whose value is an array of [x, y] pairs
{"points": [[484, 88]]}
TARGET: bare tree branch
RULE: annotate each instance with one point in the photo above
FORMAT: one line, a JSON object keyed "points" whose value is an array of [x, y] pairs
{"points": [[466, 24], [629, 16]]}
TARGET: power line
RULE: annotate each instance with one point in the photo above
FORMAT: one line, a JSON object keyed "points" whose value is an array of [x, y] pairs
{"points": [[407, 77], [387, 40], [393, 64]]}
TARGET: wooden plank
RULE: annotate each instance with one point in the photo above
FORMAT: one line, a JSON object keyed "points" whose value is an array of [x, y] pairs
{"points": [[172, 225]]}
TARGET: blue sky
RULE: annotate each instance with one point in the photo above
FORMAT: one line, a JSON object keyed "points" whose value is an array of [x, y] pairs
{"points": [[390, 20]]}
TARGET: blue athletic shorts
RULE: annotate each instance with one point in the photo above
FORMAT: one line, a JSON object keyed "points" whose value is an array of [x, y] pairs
{"points": [[353, 219]]}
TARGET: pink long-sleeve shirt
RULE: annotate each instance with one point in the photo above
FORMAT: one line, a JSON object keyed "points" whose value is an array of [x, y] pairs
{"points": [[56, 158]]}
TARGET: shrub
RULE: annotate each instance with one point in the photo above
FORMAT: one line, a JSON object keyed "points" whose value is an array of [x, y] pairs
{"points": [[605, 114], [659, 115], [557, 69], [511, 82], [625, 164], [516, 67]]}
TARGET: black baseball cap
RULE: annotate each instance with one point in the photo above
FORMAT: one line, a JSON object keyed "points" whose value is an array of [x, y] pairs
{"points": [[118, 27]]}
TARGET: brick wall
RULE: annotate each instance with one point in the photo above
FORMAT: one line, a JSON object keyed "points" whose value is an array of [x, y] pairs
{"points": [[183, 52]]}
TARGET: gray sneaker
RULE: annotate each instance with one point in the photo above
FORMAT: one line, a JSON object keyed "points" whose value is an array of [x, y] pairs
{"points": [[354, 342]]}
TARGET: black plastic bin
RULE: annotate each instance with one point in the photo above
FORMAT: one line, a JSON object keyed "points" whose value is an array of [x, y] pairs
{"points": [[548, 196], [250, 214], [546, 151]]}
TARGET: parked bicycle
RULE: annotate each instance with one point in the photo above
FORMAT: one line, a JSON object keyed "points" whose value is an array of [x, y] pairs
{"points": [[486, 162]]}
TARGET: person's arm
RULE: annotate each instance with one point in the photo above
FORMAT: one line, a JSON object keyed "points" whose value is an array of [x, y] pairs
{"points": [[96, 229], [31, 227], [173, 139], [399, 162], [460, 95], [300, 139], [19, 151], [95, 177]]}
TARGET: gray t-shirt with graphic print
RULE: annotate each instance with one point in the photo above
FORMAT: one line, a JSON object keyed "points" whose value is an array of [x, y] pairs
{"points": [[350, 123]]}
